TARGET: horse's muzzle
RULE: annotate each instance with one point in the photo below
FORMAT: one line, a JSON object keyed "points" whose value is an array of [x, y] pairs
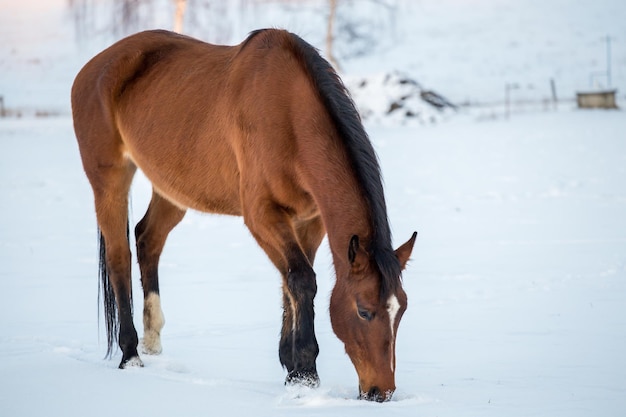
{"points": [[375, 394]]}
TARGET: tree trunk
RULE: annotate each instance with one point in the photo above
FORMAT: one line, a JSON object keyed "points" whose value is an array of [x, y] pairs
{"points": [[329, 34], [181, 5]]}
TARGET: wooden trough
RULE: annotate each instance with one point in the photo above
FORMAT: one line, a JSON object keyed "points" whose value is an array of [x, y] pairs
{"points": [[597, 100]]}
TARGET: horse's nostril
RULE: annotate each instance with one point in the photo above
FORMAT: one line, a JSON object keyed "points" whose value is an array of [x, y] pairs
{"points": [[374, 394]]}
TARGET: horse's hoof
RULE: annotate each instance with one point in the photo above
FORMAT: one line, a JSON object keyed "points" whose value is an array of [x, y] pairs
{"points": [[151, 351], [133, 362], [303, 377], [151, 346]]}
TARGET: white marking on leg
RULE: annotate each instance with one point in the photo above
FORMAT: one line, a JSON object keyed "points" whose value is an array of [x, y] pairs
{"points": [[393, 306], [294, 313], [153, 322]]}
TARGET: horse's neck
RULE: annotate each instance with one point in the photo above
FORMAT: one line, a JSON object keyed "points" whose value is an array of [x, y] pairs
{"points": [[342, 223], [339, 197]]}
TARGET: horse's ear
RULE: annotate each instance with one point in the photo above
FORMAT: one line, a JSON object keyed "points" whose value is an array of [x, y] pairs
{"points": [[356, 256], [403, 253], [353, 248]]}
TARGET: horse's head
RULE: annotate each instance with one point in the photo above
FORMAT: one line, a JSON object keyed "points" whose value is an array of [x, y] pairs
{"points": [[366, 318]]}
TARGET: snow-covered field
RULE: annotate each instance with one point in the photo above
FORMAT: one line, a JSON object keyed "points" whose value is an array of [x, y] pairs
{"points": [[517, 286]]}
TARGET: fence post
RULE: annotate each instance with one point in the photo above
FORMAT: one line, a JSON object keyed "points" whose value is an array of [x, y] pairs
{"points": [[507, 98], [554, 98]]}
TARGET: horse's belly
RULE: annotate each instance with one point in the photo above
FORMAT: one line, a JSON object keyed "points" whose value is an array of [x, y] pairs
{"points": [[190, 184], [206, 201]]}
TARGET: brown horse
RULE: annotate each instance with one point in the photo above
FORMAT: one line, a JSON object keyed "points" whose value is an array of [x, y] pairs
{"points": [[265, 130]]}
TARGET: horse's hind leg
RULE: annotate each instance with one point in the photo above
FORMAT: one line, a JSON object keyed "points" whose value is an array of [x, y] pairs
{"points": [[151, 233], [111, 183], [110, 173]]}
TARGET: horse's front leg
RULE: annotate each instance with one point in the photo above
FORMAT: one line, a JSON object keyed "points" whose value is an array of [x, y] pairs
{"points": [[298, 344], [310, 234], [273, 229]]}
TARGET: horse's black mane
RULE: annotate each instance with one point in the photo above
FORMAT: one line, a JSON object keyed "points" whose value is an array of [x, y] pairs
{"points": [[345, 116]]}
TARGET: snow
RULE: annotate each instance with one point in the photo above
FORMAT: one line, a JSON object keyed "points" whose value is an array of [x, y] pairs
{"points": [[516, 287]]}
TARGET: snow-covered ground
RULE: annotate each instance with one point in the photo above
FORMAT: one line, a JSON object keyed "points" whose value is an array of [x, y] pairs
{"points": [[517, 286]]}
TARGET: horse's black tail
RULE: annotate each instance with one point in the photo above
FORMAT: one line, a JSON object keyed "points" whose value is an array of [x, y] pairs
{"points": [[107, 295]]}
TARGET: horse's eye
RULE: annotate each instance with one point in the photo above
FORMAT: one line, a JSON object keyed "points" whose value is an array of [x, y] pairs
{"points": [[365, 314]]}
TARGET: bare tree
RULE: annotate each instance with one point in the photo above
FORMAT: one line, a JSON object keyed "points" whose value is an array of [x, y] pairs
{"points": [[126, 13], [211, 19], [330, 33], [116, 17], [352, 27], [181, 5]]}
